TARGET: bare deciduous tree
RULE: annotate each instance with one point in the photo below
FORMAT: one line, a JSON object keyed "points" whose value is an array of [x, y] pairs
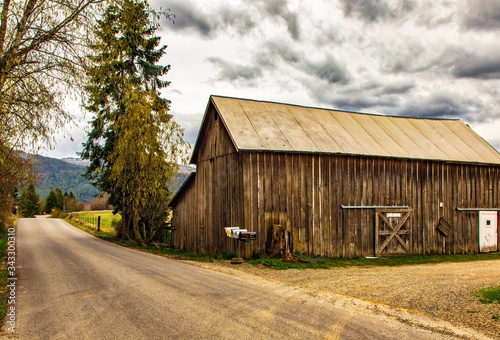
{"points": [[42, 45]]}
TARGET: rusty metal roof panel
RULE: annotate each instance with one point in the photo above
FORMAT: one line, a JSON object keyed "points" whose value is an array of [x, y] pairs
{"points": [[267, 126]]}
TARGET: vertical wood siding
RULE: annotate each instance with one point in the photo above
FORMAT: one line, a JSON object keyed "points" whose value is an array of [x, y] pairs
{"points": [[213, 199], [305, 192]]}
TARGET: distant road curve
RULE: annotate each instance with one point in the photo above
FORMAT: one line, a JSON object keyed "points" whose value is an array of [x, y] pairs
{"points": [[74, 286]]}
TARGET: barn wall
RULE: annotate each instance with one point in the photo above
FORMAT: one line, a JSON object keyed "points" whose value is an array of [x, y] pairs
{"points": [[305, 193], [184, 215], [214, 199]]}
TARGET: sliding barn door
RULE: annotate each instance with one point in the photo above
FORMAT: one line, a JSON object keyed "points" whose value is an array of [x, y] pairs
{"points": [[393, 231]]}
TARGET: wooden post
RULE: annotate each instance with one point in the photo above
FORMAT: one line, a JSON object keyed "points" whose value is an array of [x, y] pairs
{"points": [[237, 259], [98, 223]]}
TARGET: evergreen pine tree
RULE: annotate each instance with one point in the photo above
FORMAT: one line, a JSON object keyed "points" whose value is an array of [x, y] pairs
{"points": [[134, 143], [50, 202], [29, 204], [59, 199]]}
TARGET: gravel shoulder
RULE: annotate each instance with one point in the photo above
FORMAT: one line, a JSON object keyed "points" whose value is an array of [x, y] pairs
{"points": [[439, 291]]}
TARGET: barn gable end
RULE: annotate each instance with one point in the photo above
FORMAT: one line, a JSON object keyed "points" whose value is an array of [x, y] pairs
{"points": [[211, 200], [213, 140], [343, 184]]}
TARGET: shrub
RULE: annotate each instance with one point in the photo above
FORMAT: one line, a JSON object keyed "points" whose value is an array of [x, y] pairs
{"points": [[116, 224]]}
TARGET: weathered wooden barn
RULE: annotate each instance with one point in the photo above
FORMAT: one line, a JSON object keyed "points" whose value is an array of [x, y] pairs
{"points": [[343, 184]]}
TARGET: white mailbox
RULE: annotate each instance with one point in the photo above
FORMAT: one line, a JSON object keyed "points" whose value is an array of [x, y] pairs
{"points": [[234, 232]]}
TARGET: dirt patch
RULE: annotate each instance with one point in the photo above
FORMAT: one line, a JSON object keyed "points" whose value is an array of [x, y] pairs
{"points": [[443, 291]]}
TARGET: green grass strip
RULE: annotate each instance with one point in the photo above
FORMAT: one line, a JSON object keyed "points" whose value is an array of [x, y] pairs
{"points": [[403, 260], [488, 294]]}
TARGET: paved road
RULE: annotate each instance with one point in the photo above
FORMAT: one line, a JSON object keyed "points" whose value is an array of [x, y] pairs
{"points": [[75, 286]]}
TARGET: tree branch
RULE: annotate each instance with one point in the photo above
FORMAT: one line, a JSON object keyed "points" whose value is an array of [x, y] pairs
{"points": [[3, 25]]}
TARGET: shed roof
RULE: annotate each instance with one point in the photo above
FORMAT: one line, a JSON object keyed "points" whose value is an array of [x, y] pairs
{"points": [[274, 127]]}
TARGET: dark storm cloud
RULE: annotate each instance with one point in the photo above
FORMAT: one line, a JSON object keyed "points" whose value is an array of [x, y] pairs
{"points": [[480, 68], [272, 52], [192, 17], [188, 17], [240, 20], [482, 15], [279, 8], [378, 88], [233, 72], [413, 57], [375, 10], [368, 96], [361, 104], [397, 88], [444, 104], [329, 69]]}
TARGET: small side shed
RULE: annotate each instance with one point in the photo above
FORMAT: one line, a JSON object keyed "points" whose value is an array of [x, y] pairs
{"points": [[343, 184]]}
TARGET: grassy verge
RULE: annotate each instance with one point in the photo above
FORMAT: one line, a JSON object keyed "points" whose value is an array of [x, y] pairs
{"points": [[325, 263], [161, 249], [87, 221], [80, 220]]}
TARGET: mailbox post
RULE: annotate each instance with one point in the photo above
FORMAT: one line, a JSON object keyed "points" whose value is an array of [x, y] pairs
{"points": [[239, 235]]}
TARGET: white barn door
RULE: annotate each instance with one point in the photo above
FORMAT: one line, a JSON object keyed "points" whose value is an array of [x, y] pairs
{"points": [[488, 231]]}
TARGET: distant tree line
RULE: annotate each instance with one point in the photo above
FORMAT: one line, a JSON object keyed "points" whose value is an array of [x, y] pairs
{"points": [[56, 173], [29, 203], [63, 202]]}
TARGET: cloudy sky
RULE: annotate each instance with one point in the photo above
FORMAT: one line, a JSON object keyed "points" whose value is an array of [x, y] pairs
{"points": [[421, 58]]}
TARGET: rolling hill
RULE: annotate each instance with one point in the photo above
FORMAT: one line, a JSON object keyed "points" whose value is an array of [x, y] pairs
{"points": [[66, 174]]}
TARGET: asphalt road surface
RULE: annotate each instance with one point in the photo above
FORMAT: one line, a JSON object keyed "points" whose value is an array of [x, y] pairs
{"points": [[71, 285]]}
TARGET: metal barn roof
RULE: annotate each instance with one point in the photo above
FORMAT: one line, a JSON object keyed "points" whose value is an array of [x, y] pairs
{"points": [[274, 127]]}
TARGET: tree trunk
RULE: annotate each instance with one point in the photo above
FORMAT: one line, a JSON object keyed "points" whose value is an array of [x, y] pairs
{"points": [[137, 232], [123, 229], [278, 242]]}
